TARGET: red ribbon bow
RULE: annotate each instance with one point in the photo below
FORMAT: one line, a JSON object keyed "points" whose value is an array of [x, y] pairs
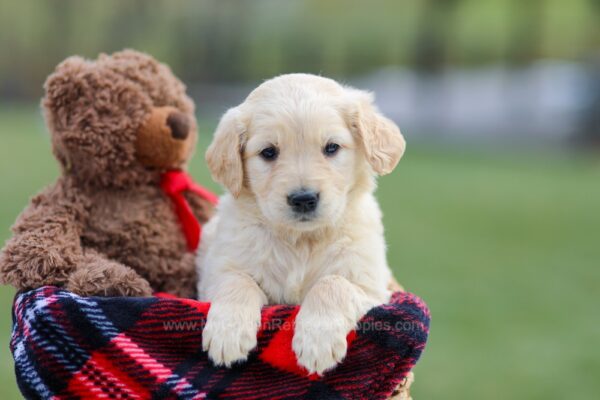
{"points": [[174, 184]]}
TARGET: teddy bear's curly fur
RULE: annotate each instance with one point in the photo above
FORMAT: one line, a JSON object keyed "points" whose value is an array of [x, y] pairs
{"points": [[105, 227]]}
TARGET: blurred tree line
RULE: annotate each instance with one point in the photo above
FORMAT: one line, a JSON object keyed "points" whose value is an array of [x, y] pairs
{"points": [[229, 40]]}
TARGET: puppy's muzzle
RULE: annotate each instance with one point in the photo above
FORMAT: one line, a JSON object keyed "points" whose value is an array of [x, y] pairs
{"points": [[303, 201]]}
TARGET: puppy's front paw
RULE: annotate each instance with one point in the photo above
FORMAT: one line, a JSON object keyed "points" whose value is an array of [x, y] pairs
{"points": [[230, 333], [319, 343]]}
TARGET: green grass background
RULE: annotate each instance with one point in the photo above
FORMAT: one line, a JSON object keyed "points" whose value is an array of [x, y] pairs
{"points": [[503, 245]]}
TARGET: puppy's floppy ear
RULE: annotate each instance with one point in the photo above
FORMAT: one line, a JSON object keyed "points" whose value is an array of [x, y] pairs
{"points": [[224, 155], [380, 137]]}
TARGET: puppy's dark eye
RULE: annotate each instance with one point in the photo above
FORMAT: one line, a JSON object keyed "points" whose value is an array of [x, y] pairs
{"points": [[270, 153], [331, 148]]}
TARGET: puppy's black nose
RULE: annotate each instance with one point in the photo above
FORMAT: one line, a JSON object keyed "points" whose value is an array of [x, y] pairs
{"points": [[303, 201], [179, 124]]}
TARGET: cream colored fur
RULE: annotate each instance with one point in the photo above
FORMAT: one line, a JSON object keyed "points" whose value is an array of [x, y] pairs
{"points": [[256, 251]]}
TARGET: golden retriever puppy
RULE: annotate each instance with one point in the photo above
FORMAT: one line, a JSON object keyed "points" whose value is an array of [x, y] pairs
{"points": [[300, 224]]}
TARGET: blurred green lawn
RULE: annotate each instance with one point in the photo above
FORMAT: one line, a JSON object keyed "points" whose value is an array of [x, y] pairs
{"points": [[503, 246]]}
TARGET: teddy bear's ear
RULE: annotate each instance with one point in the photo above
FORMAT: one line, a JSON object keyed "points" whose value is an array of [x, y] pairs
{"points": [[63, 88], [224, 155], [381, 139]]}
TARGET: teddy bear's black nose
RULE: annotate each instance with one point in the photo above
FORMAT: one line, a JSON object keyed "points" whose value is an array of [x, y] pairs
{"points": [[179, 124]]}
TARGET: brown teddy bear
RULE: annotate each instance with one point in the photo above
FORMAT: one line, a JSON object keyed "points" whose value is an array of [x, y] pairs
{"points": [[120, 218]]}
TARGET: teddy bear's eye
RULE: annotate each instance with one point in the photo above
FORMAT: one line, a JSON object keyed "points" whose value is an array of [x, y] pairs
{"points": [[330, 149], [270, 153]]}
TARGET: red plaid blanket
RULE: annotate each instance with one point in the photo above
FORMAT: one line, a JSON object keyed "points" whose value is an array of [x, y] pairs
{"points": [[68, 347]]}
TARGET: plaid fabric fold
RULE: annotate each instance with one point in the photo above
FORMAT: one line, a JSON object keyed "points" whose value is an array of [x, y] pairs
{"points": [[71, 347]]}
